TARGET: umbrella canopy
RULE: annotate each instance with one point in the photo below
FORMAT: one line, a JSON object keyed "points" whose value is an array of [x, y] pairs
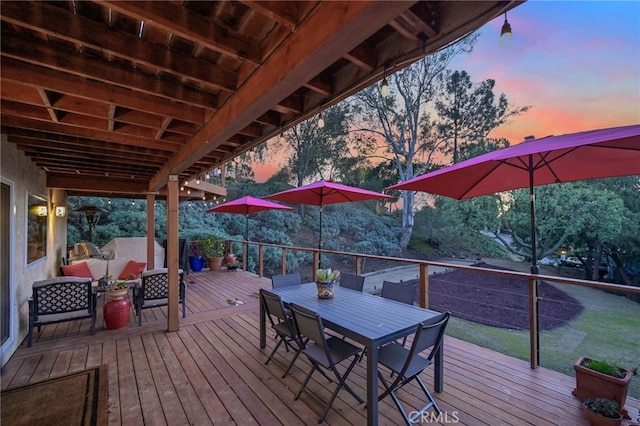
{"points": [[246, 206], [325, 192], [554, 159]]}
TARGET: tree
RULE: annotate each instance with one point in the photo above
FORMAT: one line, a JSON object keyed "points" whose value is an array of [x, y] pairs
{"points": [[571, 214], [401, 123], [467, 112], [313, 149]]}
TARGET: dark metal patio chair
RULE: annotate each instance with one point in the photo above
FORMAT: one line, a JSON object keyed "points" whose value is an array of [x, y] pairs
{"points": [[61, 299], [278, 281], [354, 282], [154, 290], [408, 364], [399, 292], [324, 353], [282, 324]]}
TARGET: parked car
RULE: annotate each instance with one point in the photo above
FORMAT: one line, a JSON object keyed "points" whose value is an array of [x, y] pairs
{"points": [[550, 261], [573, 262]]}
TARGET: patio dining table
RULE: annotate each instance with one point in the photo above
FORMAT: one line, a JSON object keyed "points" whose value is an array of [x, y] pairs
{"points": [[364, 318]]}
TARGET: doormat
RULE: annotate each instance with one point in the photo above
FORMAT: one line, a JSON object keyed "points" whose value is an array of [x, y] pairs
{"points": [[74, 399]]}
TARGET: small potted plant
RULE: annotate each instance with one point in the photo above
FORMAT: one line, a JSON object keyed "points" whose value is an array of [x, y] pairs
{"points": [[325, 282], [117, 290], [196, 259], [599, 378], [602, 412], [231, 262], [213, 250]]}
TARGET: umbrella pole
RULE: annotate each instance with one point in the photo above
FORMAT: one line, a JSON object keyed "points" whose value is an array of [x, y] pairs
{"points": [[534, 263], [320, 239], [246, 228]]}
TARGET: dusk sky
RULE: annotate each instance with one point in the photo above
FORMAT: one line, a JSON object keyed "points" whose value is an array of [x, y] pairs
{"points": [[577, 63]]}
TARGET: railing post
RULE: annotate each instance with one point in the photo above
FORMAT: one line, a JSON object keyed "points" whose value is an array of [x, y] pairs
{"points": [[245, 253], [260, 260], [533, 322], [358, 265], [424, 286], [284, 261]]}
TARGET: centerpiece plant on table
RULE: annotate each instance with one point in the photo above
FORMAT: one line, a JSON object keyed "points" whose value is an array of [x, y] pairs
{"points": [[325, 282]]}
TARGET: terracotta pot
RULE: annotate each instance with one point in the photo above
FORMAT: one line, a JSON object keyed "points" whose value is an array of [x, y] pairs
{"points": [[325, 290], [596, 419], [593, 384], [116, 313], [215, 263]]}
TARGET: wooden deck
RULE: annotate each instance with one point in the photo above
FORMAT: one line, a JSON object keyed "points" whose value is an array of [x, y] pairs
{"points": [[212, 371]]}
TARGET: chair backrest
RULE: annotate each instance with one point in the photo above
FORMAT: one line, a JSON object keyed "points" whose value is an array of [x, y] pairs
{"points": [[399, 292], [61, 295], [429, 334], [155, 284], [354, 282], [273, 305], [278, 281], [309, 324]]}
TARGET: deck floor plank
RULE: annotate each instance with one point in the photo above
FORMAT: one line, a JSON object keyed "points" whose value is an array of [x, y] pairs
{"points": [[212, 371]]}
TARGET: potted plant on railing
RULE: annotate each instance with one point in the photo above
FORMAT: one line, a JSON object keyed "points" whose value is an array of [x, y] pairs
{"points": [[325, 282], [213, 250], [231, 262], [601, 379], [602, 412], [196, 259]]}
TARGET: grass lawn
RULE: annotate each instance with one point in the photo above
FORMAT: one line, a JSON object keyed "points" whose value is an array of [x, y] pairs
{"points": [[608, 329]]}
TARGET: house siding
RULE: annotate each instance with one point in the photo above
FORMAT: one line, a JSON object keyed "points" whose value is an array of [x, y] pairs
{"points": [[26, 177]]}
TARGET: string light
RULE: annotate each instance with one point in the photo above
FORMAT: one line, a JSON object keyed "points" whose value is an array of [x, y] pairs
{"points": [[320, 121], [384, 88], [505, 33]]}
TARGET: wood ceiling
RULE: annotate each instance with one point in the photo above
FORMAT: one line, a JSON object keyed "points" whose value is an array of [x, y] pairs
{"points": [[111, 97]]}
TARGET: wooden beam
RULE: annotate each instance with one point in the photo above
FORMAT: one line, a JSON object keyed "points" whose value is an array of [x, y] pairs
{"points": [[95, 185], [321, 39], [60, 128], [178, 20], [17, 46], [173, 321], [38, 76], [50, 19]]}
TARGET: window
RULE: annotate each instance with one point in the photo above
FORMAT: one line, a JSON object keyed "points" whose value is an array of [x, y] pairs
{"points": [[37, 221]]}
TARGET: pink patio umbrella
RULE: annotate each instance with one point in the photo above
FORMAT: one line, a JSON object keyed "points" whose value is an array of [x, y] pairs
{"points": [[554, 159], [246, 206], [325, 192]]}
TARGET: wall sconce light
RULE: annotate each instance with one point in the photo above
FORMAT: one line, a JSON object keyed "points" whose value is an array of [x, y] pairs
{"points": [[61, 211], [384, 87], [42, 210], [505, 33], [320, 121]]}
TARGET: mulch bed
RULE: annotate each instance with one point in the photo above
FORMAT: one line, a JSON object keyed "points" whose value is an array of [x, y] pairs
{"points": [[497, 300]]}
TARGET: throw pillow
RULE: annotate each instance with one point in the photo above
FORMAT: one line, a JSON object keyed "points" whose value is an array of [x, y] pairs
{"points": [[77, 270], [132, 271]]}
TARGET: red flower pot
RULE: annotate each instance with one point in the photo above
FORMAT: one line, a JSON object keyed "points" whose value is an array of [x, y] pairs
{"points": [[116, 313]]}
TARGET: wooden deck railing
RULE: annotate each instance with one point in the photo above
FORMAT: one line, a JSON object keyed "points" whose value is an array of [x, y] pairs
{"points": [[534, 337]]}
